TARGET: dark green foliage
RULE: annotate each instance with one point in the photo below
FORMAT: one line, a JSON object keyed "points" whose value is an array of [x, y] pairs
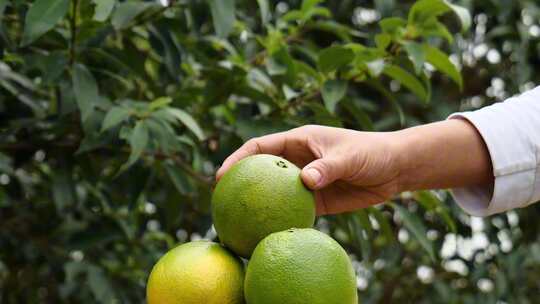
{"points": [[114, 116]]}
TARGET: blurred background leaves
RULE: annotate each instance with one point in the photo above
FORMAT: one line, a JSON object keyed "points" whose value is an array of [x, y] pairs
{"points": [[114, 116]]}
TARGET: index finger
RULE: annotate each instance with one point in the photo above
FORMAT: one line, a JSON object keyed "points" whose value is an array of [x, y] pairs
{"points": [[268, 144]]}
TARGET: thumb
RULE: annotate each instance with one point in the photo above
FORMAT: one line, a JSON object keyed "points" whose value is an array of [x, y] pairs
{"points": [[322, 172]]}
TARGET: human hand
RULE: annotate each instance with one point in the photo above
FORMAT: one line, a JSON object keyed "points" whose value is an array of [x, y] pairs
{"points": [[347, 169]]}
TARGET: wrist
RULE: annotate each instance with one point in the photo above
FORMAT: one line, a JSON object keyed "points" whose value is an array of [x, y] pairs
{"points": [[400, 143]]}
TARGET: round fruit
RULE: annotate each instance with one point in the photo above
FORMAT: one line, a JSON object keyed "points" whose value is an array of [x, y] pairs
{"points": [[195, 273], [259, 195], [300, 266]]}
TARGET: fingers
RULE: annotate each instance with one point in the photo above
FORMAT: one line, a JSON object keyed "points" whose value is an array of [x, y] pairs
{"points": [[340, 199], [322, 172], [269, 144]]}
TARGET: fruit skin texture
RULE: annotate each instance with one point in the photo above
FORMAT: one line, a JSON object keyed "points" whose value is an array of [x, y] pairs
{"points": [[300, 266], [259, 195], [197, 273]]}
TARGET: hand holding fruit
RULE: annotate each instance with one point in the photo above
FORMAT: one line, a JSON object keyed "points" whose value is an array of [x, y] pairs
{"points": [[350, 169]]}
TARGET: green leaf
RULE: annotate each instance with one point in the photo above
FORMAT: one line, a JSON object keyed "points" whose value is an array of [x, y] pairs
{"points": [[223, 14], [3, 5], [441, 62], [125, 12], [114, 117], [42, 17], [100, 285], [424, 10], [390, 97], [103, 9], [384, 224], [415, 225], [383, 40], [138, 140], [159, 103], [333, 91], [407, 79], [359, 232], [85, 89], [393, 25], [309, 4], [360, 116], [188, 121], [281, 62], [63, 188], [376, 67], [416, 54], [264, 8], [429, 201], [333, 58], [463, 14], [289, 93], [434, 28], [163, 135], [179, 179], [363, 218]]}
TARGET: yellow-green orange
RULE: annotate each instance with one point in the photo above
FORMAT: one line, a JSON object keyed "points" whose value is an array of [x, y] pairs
{"points": [[300, 266], [259, 195], [196, 273]]}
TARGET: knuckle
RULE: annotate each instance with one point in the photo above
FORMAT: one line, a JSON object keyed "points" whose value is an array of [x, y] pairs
{"points": [[308, 128], [253, 145]]}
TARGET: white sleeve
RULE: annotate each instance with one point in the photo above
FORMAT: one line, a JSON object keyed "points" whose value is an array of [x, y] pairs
{"points": [[511, 131]]}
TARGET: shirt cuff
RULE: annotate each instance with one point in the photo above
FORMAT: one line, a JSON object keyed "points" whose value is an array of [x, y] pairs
{"points": [[514, 175]]}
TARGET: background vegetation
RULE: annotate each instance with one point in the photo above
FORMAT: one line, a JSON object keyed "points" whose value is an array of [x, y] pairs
{"points": [[114, 116]]}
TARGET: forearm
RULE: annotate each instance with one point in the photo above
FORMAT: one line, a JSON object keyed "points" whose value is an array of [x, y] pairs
{"points": [[447, 154]]}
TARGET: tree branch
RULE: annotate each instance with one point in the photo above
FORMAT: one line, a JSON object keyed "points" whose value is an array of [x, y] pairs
{"points": [[73, 28], [74, 144]]}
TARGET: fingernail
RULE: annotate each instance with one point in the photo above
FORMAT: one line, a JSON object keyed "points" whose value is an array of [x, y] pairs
{"points": [[314, 175]]}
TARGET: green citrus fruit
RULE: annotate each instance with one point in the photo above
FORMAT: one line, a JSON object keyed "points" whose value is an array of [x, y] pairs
{"points": [[196, 273], [300, 266], [259, 195]]}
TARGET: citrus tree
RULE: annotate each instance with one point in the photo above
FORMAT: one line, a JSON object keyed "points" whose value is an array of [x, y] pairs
{"points": [[116, 114]]}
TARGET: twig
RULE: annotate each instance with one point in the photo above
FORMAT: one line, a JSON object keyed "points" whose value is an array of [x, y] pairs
{"points": [[73, 26], [296, 102], [74, 144], [206, 180]]}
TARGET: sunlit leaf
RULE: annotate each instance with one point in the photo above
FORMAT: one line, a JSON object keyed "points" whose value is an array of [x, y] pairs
{"points": [[309, 4], [159, 103], [463, 14], [442, 63], [423, 10], [406, 79], [416, 54]]}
